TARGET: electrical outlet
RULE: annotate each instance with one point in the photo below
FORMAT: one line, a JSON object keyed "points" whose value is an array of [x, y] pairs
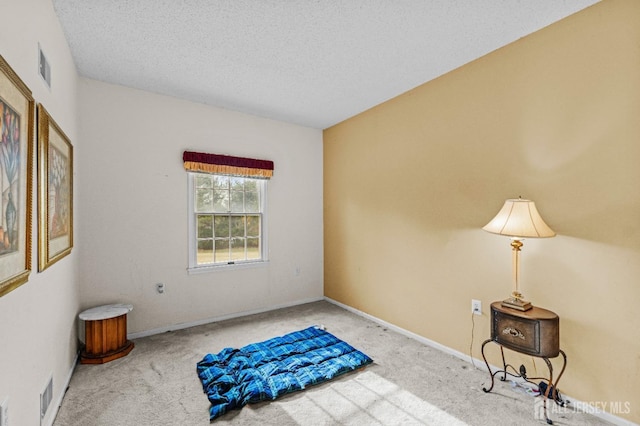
{"points": [[4, 412], [476, 307]]}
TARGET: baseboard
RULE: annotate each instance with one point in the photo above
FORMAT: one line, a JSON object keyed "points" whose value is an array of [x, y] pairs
{"points": [[210, 320], [58, 402], [575, 403], [421, 339]]}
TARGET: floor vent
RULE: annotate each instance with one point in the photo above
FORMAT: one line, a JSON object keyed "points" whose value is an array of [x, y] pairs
{"points": [[45, 398]]}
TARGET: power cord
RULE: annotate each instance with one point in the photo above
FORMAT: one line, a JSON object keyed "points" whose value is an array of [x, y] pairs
{"points": [[473, 326]]}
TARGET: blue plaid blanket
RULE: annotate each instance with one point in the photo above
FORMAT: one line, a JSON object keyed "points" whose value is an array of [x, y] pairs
{"points": [[269, 369]]}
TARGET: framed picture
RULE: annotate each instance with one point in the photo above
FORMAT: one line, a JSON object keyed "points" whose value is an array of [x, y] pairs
{"points": [[55, 191], [16, 171]]}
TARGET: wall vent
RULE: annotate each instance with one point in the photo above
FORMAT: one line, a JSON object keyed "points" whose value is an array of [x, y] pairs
{"points": [[43, 67], [45, 398], [4, 412]]}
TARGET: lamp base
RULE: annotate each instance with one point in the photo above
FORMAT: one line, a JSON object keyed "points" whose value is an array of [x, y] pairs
{"points": [[516, 303]]}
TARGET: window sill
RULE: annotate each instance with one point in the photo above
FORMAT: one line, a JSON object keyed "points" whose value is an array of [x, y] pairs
{"points": [[227, 267]]}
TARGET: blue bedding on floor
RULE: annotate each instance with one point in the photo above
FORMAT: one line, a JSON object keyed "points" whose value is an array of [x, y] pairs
{"points": [[269, 369]]}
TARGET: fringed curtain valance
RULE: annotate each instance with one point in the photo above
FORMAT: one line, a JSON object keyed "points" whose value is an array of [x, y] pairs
{"points": [[227, 165]]}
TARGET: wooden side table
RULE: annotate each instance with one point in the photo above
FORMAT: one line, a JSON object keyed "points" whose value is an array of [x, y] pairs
{"points": [[535, 332], [105, 333]]}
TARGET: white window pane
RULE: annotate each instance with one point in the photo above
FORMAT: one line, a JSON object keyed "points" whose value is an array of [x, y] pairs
{"points": [[253, 226], [205, 226], [221, 182], [237, 202], [221, 201], [253, 248], [237, 184], [237, 226], [204, 200], [222, 251], [251, 202], [205, 252], [203, 181], [237, 249], [221, 227]]}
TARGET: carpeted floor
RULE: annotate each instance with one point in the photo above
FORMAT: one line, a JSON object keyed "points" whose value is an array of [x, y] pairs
{"points": [[408, 383]]}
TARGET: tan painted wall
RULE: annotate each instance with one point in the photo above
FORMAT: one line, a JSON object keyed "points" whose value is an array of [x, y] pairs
{"points": [[554, 117]]}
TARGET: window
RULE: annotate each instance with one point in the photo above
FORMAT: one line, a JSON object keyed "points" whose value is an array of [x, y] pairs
{"points": [[226, 220], [227, 198]]}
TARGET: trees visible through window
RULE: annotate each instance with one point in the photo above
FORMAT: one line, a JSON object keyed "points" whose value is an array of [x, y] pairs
{"points": [[227, 219]]}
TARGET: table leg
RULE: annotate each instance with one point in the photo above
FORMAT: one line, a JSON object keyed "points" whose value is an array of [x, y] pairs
{"points": [[488, 366], [551, 383], [545, 396], [504, 364]]}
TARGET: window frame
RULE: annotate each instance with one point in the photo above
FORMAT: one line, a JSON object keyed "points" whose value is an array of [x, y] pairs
{"points": [[193, 266]]}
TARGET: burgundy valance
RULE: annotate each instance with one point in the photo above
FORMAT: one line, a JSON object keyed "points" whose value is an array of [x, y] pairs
{"points": [[227, 165]]}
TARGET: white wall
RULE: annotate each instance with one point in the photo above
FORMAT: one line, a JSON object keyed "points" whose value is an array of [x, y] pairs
{"points": [[131, 216], [133, 196], [38, 319]]}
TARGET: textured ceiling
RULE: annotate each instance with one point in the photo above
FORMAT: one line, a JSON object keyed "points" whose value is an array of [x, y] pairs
{"points": [[308, 62]]}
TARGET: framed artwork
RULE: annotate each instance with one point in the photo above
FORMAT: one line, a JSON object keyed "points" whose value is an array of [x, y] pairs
{"points": [[17, 109], [55, 191]]}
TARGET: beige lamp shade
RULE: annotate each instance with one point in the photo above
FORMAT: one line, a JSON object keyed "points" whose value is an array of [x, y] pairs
{"points": [[519, 218]]}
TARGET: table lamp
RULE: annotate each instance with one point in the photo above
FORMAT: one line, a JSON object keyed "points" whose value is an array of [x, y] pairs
{"points": [[518, 219]]}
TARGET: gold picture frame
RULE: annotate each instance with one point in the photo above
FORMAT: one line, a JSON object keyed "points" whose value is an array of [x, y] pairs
{"points": [[17, 110], [55, 191]]}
